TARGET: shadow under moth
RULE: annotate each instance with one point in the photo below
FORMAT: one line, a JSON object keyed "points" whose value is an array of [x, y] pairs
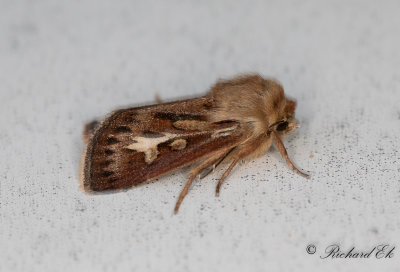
{"points": [[237, 119]]}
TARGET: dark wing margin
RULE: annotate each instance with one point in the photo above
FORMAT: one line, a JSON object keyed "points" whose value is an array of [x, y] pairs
{"points": [[112, 160]]}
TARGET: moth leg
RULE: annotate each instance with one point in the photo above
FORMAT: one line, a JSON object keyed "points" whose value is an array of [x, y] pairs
{"points": [[225, 174], [278, 143], [215, 164], [193, 174], [245, 151]]}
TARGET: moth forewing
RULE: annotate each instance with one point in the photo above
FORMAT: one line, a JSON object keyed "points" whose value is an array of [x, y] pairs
{"points": [[235, 120], [136, 145]]}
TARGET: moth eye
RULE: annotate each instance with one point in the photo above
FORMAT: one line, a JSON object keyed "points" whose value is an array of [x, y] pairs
{"points": [[282, 126]]}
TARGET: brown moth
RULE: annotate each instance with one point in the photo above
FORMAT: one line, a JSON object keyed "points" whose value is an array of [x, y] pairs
{"points": [[237, 119]]}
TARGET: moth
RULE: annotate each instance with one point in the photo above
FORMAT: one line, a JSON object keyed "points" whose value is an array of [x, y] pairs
{"points": [[237, 119]]}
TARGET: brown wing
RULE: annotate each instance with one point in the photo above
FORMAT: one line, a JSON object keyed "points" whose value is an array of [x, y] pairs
{"points": [[135, 145]]}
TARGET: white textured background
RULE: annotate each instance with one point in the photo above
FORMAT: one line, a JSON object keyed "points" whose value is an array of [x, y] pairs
{"points": [[65, 62]]}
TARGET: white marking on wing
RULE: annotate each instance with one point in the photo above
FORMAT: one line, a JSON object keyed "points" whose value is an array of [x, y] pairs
{"points": [[148, 145]]}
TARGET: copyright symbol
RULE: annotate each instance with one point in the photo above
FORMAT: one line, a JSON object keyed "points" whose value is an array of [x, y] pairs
{"points": [[311, 249]]}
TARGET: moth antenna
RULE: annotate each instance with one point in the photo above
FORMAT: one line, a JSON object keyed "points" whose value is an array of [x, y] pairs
{"points": [[279, 144]]}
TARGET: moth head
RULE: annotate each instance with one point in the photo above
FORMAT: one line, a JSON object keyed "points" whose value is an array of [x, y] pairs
{"points": [[287, 123]]}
